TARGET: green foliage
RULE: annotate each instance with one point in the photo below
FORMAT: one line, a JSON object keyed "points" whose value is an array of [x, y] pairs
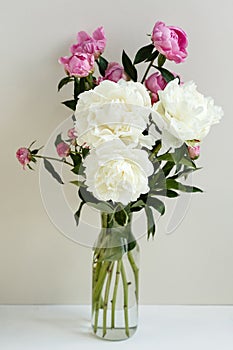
{"points": [[70, 104], [129, 68], [143, 53], [167, 75], [161, 60], [150, 222], [103, 64], [64, 81], [153, 56]]}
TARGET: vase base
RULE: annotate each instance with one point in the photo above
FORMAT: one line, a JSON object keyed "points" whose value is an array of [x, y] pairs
{"points": [[115, 334]]}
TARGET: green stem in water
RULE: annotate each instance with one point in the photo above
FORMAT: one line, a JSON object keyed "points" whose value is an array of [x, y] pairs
{"points": [[135, 271], [118, 272], [106, 296], [125, 289], [99, 285]]}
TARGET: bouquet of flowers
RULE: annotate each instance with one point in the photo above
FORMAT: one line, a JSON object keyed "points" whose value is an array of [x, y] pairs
{"points": [[133, 142]]}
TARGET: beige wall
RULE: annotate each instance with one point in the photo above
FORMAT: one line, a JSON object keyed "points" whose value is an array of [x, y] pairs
{"points": [[37, 264]]}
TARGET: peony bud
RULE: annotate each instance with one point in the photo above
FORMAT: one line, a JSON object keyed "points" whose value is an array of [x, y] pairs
{"points": [[63, 149], [194, 152], [24, 156]]}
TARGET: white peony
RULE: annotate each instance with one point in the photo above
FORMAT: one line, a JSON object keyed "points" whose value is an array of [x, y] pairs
{"points": [[116, 172], [183, 114], [114, 111]]}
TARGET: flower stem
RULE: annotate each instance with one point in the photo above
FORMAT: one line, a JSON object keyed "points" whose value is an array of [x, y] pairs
{"points": [[125, 289], [118, 272], [135, 271], [106, 296], [102, 274], [51, 158], [147, 71]]}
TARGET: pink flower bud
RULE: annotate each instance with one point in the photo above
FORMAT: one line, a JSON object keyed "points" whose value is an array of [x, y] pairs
{"points": [[80, 64], [63, 149], [170, 41], [23, 155], [72, 134], [194, 152], [154, 83], [114, 72]]}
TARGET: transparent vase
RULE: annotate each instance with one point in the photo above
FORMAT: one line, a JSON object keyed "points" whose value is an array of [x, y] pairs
{"points": [[115, 281]]}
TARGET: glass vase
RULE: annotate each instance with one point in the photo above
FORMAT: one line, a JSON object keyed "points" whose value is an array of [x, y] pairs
{"points": [[115, 281]]}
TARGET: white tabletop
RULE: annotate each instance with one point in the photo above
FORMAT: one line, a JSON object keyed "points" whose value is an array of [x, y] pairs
{"points": [[160, 328]]}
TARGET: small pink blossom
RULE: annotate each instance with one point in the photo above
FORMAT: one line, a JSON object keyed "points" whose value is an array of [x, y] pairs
{"points": [[194, 152], [154, 83], [72, 134], [94, 45], [23, 155], [170, 41], [63, 149], [80, 64], [114, 72]]}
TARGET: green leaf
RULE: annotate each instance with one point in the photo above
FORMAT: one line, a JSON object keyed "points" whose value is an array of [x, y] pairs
{"points": [[137, 206], [85, 152], [78, 183], [70, 104], [63, 82], [49, 167], [121, 217], [129, 68], [143, 53], [157, 204], [103, 64], [102, 206], [58, 140], [87, 196], [184, 172], [168, 76], [173, 184], [76, 158], [161, 60], [153, 56], [78, 213], [150, 222], [167, 168], [166, 193]]}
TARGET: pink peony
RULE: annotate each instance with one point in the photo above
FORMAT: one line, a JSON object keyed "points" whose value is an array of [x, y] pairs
{"points": [[154, 83], [80, 64], [114, 72], [23, 155], [94, 45], [170, 41], [63, 149], [194, 152], [72, 134]]}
